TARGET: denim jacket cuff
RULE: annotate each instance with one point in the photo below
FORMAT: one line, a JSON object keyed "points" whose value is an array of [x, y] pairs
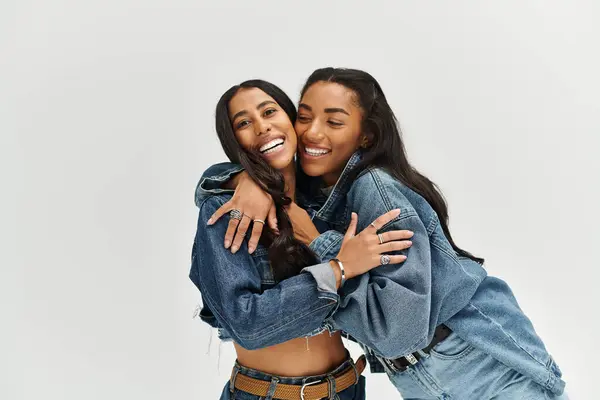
{"points": [[324, 277], [211, 185], [327, 245]]}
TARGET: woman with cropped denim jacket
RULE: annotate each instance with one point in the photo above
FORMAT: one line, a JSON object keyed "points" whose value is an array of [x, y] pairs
{"points": [[397, 313], [274, 313]]}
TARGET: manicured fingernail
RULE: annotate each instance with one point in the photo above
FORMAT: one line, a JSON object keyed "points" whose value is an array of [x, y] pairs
{"points": [[210, 221], [251, 249], [411, 233], [234, 249], [227, 244], [403, 258], [409, 242]]}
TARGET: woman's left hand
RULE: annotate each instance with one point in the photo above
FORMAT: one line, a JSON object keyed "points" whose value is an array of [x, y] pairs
{"points": [[304, 229]]}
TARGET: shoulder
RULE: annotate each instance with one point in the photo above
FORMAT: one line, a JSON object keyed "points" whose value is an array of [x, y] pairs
{"points": [[376, 187]]}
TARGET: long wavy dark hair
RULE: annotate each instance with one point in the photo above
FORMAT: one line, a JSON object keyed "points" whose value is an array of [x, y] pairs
{"points": [[287, 255], [385, 149]]}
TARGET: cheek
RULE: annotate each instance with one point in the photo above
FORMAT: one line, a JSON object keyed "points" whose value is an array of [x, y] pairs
{"points": [[345, 145], [245, 140], [299, 130]]}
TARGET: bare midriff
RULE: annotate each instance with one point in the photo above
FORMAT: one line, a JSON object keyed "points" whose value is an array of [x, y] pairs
{"points": [[303, 356]]}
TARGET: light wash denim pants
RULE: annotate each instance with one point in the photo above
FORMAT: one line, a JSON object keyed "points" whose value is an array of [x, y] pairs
{"points": [[456, 370], [354, 392]]}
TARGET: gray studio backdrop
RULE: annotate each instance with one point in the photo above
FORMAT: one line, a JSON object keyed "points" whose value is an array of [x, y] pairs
{"points": [[106, 122]]}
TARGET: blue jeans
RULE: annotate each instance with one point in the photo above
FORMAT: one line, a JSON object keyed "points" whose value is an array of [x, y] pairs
{"points": [[456, 370], [354, 392]]}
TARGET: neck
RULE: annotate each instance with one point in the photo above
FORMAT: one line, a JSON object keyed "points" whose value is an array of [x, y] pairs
{"points": [[289, 175], [331, 178]]}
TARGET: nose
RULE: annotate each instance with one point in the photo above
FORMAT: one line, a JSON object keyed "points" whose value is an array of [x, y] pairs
{"points": [[313, 134], [261, 127]]}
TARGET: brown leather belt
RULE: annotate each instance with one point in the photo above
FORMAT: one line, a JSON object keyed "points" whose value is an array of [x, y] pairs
{"points": [[308, 391], [441, 333]]}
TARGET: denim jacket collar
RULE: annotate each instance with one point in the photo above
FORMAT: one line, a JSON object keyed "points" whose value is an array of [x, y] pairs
{"points": [[341, 187]]}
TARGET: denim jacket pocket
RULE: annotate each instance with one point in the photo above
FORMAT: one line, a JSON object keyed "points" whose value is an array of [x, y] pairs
{"points": [[452, 348]]}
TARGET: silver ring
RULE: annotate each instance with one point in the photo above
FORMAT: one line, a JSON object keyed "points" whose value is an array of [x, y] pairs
{"points": [[235, 214], [385, 259], [259, 220], [373, 225], [380, 236]]}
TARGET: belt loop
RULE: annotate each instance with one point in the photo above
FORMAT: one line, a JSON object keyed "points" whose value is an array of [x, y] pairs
{"points": [[272, 387], [332, 387], [234, 374]]}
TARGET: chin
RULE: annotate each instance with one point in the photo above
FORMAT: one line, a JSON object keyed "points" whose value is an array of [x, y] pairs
{"points": [[312, 170], [281, 162]]}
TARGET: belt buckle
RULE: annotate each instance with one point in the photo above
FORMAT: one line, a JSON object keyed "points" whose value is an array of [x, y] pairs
{"points": [[304, 385]]}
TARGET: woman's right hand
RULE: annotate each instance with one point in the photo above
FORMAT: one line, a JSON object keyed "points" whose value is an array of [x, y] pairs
{"points": [[361, 253], [255, 206]]}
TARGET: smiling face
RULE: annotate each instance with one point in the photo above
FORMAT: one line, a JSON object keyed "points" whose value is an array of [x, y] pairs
{"points": [[259, 123], [329, 130]]}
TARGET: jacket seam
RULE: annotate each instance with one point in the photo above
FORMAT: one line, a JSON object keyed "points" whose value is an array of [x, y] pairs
{"points": [[453, 258], [386, 200], [550, 376]]}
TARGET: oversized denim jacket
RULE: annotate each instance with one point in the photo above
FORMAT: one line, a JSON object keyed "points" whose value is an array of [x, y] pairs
{"points": [[392, 310]]}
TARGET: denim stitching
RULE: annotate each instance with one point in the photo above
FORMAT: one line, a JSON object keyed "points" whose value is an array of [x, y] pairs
{"points": [[551, 378]]}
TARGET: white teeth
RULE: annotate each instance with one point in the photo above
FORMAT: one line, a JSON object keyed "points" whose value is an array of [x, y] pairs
{"points": [[316, 152], [269, 146]]}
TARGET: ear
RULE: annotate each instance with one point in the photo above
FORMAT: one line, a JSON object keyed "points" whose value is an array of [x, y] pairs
{"points": [[365, 141]]}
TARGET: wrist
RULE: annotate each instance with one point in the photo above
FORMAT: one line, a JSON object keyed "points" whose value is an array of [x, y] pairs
{"points": [[312, 236], [235, 180], [337, 272]]}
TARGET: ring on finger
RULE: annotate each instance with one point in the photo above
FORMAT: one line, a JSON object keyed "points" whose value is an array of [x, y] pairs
{"points": [[380, 236], [373, 225], [259, 220], [235, 214], [385, 259]]}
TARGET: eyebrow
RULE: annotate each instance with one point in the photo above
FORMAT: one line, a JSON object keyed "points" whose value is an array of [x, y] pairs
{"points": [[327, 110], [336, 110], [258, 107]]}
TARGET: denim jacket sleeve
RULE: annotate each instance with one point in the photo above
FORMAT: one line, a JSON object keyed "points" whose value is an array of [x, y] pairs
{"points": [[213, 178], [231, 287], [372, 305], [389, 308]]}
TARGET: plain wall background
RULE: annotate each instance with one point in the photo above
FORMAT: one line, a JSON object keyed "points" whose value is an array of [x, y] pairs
{"points": [[106, 121]]}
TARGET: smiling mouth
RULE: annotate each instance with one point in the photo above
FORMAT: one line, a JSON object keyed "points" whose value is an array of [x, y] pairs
{"points": [[272, 146], [315, 152]]}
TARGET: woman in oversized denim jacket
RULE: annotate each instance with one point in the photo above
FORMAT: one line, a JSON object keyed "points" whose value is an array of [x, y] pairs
{"points": [[262, 300], [493, 350]]}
